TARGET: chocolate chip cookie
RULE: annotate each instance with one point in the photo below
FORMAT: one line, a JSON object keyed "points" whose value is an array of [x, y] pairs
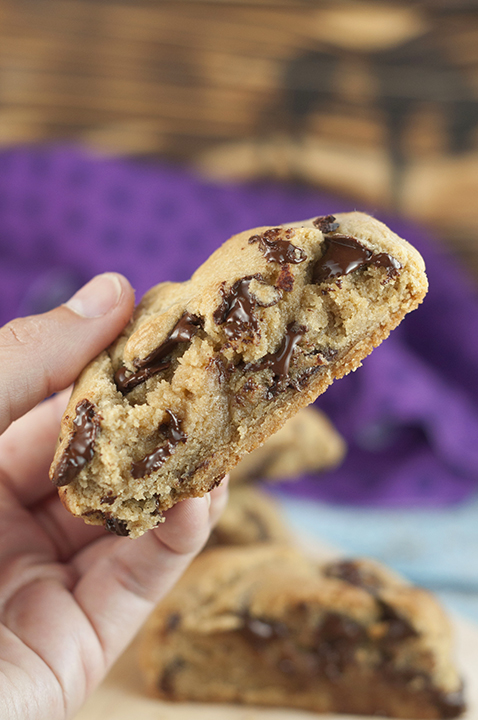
{"points": [[251, 516], [208, 369], [265, 625]]}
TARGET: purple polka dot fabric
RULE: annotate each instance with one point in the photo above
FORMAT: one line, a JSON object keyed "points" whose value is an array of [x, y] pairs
{"points": [[409, 415]]}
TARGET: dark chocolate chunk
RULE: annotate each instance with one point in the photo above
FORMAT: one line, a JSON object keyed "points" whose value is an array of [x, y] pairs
{"points": [[166, 681], [326, 223], [351, 572], [398, 628], [236, 311], [276, 249], [279, 362], [336, 627], [153, 461], [173, 622], [160, 358], [108, 499], [337, 639], [388, 262], [116, 526], [344, 254], [81, 447]]}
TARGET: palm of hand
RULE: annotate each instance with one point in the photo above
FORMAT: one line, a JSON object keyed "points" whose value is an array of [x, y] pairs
{"points": [[71, 595]]}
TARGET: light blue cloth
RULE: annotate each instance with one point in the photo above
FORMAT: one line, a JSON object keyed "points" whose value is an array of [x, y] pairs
{"points": [[437, 549]]}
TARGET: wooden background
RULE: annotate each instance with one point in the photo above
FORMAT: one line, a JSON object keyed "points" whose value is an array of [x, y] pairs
{"points": [[375, 100]]}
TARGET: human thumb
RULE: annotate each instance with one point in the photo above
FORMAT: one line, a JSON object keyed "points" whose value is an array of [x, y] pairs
{"points": [[42, 354]]}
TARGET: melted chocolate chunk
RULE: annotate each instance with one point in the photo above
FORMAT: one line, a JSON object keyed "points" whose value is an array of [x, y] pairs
{"points": [[117, 527], [160, 358], [337, 640], [337, 627], [279, 362], [108, 499], [259, 632], [349, 571], [153, 461], [344, 254], [398, 628], [166, 681], [173, 622], [326, 223], [275, 249], [81, 447], [236, 311]]}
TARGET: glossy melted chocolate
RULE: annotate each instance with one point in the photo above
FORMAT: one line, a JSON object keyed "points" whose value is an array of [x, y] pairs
{"points": [[344, 254], [160, 358], [236, 311], [279, 362], [276, 249], [81, 448], [153, 461]]}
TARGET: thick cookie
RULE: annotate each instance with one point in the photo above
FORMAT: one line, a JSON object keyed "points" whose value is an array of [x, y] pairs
{"points": [[208, 369], [265, 625], [308, 442]]}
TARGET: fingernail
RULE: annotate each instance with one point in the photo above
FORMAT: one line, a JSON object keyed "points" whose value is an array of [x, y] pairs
{"points": [[97, 297]]}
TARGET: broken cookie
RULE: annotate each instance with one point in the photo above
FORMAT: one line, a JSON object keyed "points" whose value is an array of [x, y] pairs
{"points": [[208, 369]]}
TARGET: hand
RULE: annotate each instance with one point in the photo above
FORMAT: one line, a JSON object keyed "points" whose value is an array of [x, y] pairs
{"points": [[71, 595]]}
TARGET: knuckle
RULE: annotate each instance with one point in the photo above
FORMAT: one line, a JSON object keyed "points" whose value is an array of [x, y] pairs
{"points": [[22, 333]]}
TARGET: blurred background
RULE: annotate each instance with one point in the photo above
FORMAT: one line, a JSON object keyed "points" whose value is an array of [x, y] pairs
{"points": [[375, 100], [138, 135]]}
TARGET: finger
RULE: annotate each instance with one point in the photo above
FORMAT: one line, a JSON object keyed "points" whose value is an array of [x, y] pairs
{"points": [[42, 354], [68, 534], [186, 527], [27, 447], [219, 497], [126, 578], [183, 530]]}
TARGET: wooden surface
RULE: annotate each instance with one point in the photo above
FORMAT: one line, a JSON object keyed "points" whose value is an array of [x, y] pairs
{"points": [[377, 101], [122, 696]]}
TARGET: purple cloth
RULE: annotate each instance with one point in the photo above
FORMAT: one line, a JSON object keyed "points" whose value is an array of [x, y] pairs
{"points": [[409, 415]]}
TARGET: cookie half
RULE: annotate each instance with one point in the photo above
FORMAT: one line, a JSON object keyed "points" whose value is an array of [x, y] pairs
{"points": [[209, 368], [267, 626]]}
